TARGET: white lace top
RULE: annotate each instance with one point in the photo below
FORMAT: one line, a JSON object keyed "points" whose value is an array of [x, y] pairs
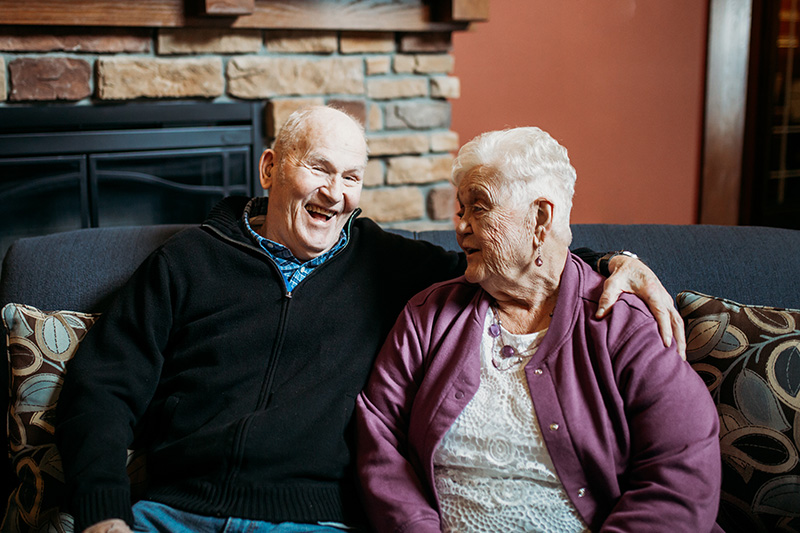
{"points": [[492, 469]]}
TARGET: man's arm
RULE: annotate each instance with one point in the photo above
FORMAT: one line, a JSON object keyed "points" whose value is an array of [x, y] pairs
{"points": [[673, 473], [107, 388], [627, 275], [631, 275]]}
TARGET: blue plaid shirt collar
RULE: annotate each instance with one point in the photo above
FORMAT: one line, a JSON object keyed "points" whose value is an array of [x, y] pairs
{"points": [[292, 269]]}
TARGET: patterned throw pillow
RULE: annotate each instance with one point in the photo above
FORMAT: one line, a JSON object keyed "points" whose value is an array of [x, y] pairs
{"points": [[749, 357], [39, 346]]}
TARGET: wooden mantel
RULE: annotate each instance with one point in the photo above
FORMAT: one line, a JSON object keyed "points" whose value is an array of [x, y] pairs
{"points": [[367, 15]]}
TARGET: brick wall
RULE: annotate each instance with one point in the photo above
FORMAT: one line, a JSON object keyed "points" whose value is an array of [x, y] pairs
{"points": [[398, 84]]}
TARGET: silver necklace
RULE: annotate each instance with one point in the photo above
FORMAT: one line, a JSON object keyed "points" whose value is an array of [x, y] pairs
{"points": [[507, 356]]}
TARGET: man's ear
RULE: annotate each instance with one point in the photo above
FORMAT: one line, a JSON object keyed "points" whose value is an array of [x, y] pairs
{"points": [[266, 168]]}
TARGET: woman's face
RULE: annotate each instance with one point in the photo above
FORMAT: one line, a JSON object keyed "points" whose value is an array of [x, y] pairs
{"points": [[495, 230]]}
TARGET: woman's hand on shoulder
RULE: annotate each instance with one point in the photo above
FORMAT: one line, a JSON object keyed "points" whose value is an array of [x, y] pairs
{"points": [[115, 525], [633, 276]]}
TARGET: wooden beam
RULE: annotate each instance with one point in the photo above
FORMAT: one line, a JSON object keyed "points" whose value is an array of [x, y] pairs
{"points": [[229, 7], [371, 15], [726, 105], [93, 13]]}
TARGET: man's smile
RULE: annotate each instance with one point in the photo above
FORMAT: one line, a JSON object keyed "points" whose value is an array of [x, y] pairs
{"points": [[320, 213]]}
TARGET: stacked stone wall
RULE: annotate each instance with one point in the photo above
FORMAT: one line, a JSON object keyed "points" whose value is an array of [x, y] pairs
{"points": [[398, 84]]}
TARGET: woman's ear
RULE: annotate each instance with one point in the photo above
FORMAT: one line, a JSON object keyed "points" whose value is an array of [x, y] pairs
{"points": [[266, 168], [544, 217]]}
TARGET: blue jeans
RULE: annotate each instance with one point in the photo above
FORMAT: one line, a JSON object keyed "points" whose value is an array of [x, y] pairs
{"points": [[154, 517]]}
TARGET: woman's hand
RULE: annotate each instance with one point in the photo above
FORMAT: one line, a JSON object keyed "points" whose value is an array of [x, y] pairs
{"points": [[115, 525], [633, 276]]}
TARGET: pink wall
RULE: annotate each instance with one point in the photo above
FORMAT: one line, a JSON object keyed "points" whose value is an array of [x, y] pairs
{"points": [[618, 82]]}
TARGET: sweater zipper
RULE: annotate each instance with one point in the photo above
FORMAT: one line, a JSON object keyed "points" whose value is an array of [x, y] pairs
{"points": [[265, 394]]}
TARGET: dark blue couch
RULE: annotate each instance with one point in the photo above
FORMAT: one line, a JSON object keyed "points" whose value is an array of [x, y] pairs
{"points": [[79, 270]]}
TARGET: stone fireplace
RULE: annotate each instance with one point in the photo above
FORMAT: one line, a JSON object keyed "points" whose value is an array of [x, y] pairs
{"points": [[387, 62]]}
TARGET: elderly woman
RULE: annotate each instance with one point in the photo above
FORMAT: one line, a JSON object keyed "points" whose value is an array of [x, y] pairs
{"points": [[500, 403]]}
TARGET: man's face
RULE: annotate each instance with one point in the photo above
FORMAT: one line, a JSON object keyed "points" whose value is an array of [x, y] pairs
{"points": [[315, 185]]}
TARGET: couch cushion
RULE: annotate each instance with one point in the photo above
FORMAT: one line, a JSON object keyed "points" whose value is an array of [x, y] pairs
{"points": [[39, 346], [749, 357]]}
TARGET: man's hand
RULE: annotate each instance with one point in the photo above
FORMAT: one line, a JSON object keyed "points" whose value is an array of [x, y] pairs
{"points": [[115, 525], [633, 276]]}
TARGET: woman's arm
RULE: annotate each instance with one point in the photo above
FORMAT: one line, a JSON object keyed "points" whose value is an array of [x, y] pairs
{"points": [[393, 489], [672, 482]]}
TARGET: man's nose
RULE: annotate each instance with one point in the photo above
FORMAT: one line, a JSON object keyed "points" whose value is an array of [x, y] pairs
{"points": [[333, 188]]}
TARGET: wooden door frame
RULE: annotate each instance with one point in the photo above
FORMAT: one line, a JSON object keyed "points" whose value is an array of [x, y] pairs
{"points": [[724, 130]]}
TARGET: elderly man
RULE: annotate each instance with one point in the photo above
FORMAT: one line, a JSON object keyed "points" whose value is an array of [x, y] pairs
{"points": [[236, 351]]}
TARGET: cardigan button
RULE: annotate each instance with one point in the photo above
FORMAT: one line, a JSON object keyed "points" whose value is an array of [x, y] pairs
{"points": [[459, 395], [538, 371], [554, 427]]}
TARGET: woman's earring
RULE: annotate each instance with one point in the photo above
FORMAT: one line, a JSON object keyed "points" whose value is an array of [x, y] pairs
{"points": [[538, 261]]}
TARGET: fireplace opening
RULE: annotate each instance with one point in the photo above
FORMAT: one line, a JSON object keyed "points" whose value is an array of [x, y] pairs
{"points": [[64, 168]]}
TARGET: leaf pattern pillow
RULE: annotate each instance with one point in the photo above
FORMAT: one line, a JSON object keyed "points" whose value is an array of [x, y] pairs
{"points": [[749, 358], [39, 346]]}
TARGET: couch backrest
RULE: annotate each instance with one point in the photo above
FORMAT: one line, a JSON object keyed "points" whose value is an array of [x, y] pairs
{"points": [[751, 265], [76, 270], [79, 270]]}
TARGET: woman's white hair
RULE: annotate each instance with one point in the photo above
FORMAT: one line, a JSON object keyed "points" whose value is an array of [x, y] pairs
{"points": [[532, 164]]}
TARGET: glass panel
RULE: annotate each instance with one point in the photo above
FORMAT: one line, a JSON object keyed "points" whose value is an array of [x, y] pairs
{"points": [[40, 196], [782, 196], [170, 187]]}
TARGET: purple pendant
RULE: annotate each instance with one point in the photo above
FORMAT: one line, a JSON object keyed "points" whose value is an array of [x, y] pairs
{"points": [[494, 331], [539, 261], [508, 351]]}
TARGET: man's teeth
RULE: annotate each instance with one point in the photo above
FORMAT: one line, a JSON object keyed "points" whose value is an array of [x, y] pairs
{"points": [[318, 210]]}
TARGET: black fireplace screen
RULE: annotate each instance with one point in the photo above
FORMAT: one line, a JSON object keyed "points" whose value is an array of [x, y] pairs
{"points": [[64, 168]]}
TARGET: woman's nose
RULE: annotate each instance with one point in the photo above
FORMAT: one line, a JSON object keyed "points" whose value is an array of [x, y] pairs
{"points": [[461, 224]]}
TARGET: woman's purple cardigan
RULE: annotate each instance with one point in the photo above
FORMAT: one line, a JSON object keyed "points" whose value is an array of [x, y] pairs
{"points": [[630, 427]]}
